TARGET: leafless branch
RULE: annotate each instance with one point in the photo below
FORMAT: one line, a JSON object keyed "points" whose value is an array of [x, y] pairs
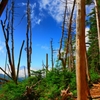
{"points": [[5, 73], [20, 58]]}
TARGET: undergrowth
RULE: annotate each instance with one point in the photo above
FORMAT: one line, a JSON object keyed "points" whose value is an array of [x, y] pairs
{"points": [[44, 87]]}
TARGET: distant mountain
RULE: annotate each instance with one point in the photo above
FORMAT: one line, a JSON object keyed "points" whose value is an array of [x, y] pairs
{"points": [[22, 67], [6, 77], [21, 74], [2, 76]]}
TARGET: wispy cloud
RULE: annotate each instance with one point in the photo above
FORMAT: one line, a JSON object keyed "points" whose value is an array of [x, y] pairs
{"points": [[22, 71], [2, 46], [45, 47], [54, 7], [36, 19]]}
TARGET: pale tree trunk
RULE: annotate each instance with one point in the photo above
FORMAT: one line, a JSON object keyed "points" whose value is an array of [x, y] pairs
{"points": [[81, 52], [98, 22]]}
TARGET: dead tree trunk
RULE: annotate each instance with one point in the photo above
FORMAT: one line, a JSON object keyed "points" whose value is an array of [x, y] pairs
{"points": [[28, 39], [9, 20], [12, 32], [80, 52], [52, 54], [46, 63], [20, 58], [6, 32], [64, 59]]}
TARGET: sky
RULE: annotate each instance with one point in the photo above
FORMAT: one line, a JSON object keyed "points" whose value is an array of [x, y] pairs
{"points": [[46, 17]]}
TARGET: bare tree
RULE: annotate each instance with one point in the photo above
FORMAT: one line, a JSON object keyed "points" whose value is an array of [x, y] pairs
{"points": [[8, 29], [82, 91], [68, 40], [52, 62], [28, 39]]}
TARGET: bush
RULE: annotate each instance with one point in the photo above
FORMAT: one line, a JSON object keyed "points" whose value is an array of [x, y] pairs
{"points": [[94, 75]]}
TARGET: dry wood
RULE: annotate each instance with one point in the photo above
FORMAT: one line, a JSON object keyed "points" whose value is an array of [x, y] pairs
{"points": [[20, 58], [68, 41], [6, 73], [82, 87], [65, 94]]}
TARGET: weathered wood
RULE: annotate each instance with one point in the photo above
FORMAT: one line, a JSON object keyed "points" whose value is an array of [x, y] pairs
{"points": [[20, 58], [81, 80]]}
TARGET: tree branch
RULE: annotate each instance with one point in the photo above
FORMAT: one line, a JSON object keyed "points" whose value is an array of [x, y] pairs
{"points": [[19, 58]]}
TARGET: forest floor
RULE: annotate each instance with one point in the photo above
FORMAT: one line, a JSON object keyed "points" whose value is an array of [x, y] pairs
{"points": [[95, 91]]}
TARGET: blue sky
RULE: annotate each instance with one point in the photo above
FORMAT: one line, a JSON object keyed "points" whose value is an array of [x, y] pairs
{"points": [[46, 24]]}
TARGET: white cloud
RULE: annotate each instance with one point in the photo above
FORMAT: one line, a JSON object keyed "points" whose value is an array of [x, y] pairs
{"points": [[1, 72], [55, 8], [21, 71], [45, 47], [23, 4], [86, 36], [35, 19], [38, 21], [86, 33]]}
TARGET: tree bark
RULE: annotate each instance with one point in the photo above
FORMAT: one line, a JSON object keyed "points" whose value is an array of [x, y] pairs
{"points": [[27, 38], [80, 52]]}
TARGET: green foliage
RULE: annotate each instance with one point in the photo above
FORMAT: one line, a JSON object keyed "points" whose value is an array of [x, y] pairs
{"points": [[93, 51], [49, 87], [88, 2], [11, 91], [56, 81], [94, 75]]}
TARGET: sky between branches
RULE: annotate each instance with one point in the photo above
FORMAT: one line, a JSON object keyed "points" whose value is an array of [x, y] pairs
{"points": [[46, 17]]}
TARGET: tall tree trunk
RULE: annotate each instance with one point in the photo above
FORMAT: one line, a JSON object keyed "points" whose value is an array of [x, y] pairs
{"points": [[63, 60], [52, 63], [80, 52], [12, 40], [12, 33], [27, 38], [98, 23]]}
